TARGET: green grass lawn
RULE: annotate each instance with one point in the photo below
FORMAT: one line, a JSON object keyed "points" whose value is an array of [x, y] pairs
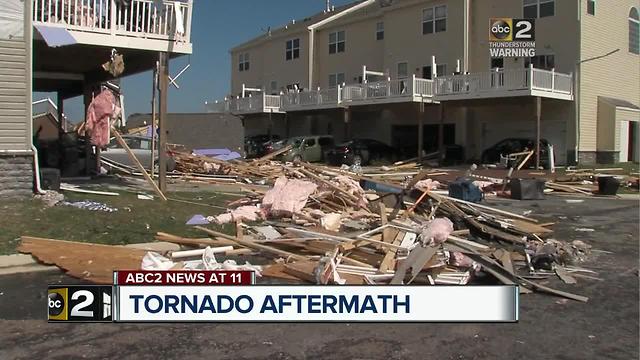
{"points": [[136, 220]]}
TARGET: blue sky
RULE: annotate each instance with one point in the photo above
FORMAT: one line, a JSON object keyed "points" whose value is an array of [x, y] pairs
{"points": [[218, 25]]}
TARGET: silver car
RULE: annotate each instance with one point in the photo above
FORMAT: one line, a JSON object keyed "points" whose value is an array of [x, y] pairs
{"points": [[141, 148]]}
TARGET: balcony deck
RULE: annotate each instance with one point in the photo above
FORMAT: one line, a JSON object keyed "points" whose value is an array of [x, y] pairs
{"points": [[505, 83], [248, 105], [139, 25]]}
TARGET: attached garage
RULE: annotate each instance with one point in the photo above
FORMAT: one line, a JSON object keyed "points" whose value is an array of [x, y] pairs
{"points": [[618, 130]]}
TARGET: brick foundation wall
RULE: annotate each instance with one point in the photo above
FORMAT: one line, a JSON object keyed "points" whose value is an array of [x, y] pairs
{"points": [[607, 157], [587, 157], [16, 175], [598, 157]]}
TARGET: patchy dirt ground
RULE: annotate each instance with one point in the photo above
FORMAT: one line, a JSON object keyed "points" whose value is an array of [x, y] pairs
{"points": [[604, 328]]}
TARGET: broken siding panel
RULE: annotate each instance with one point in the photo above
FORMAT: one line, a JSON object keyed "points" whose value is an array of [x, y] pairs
{"points": [[15, 89]]}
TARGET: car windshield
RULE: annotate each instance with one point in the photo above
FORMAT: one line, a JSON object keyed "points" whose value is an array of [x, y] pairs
{"points": [[295, 142], [348, 143]]}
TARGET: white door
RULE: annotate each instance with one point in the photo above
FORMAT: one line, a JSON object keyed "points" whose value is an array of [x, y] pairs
{"points": [[623, 133]]}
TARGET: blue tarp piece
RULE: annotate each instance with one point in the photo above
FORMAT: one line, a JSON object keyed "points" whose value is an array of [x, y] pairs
{"points": [[55, 36], [220, 154], [198, 220]]}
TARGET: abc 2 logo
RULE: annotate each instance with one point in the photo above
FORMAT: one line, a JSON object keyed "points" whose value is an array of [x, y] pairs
{"points": [[508, 29], [84, 303]]}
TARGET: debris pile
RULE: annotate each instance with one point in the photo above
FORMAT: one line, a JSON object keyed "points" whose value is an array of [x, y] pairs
{"points": [[321, 226]]}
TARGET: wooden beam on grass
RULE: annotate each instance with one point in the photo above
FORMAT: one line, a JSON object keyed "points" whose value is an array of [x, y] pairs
{"points": [[135, 160]]}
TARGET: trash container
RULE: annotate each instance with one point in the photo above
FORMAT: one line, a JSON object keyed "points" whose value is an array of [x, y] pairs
{"points": [[50, 179], [464, 189], [527, 189], [608, 185]]}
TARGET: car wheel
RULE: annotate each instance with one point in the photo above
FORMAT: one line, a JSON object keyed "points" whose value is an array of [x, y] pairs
{"points": [[297, 158], [171, 165], [357, 159]]}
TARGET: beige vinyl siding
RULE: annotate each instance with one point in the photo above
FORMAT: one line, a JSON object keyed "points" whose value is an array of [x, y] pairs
{"points": [[15, 94], [616, 76], [268, 63]]}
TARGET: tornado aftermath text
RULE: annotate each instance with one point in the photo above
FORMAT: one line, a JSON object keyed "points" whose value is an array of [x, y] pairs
{"points": [[311, 304]]}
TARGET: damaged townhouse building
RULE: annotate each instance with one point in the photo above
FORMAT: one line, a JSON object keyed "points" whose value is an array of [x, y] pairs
{"points": [[60, 46], [384, 69]]}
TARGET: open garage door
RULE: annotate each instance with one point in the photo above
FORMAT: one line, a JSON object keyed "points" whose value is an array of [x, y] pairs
{"points": [[553, 131]]}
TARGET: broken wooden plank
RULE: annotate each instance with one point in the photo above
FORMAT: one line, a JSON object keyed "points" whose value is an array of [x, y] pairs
{"points": [[92, 262]]}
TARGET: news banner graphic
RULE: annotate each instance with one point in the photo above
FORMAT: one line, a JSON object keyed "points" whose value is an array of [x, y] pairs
{"points": [[233, 296], [510, 38]]}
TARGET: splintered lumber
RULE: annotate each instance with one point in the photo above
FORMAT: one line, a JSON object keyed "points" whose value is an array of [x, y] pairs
{"points": [[253, 245], [494, 268], [526, 158], [274, 154], [484, 207], [135, 160], [417, 259], [389, 260], [91, 262], [192, 242], [84, 191], [352, 199], [343, 239]]}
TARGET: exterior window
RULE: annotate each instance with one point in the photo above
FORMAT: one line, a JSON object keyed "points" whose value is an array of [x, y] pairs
{"points": [[591, 7], [293, 49], [336, 79], [336, 42], [441, 69], [634, 31], [380, 31], [533, 9], [427, 21], [546, 62], [243, 62], [434, 19], [274, 88], [403, 70], [497, 63], [441, 18]]}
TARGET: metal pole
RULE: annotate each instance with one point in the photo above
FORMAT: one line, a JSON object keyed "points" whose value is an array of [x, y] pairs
{"points": [[538, 113], [153, 119], [163, 74], [441, 151], [420, 131]]}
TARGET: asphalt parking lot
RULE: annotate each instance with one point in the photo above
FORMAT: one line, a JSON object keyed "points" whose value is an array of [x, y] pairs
{"points": [[549, 327]]}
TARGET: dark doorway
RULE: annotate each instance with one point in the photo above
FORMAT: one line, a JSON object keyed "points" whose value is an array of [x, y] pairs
{"points": [[426, 72], [405, 138]]}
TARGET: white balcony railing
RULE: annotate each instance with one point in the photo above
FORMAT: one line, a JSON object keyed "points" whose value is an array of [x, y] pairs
{"points": [[503, 83], [531, 81], [308, 99], [246, 105], [398, 88], [170, 20]]}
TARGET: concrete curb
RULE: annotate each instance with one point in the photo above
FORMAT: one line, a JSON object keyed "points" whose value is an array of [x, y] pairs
{"points": [[25, 263]]}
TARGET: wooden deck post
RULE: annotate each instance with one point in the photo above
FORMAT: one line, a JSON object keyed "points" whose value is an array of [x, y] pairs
{"points": [[154, 145], [538, 101], [420, 131], [163, 74]]}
